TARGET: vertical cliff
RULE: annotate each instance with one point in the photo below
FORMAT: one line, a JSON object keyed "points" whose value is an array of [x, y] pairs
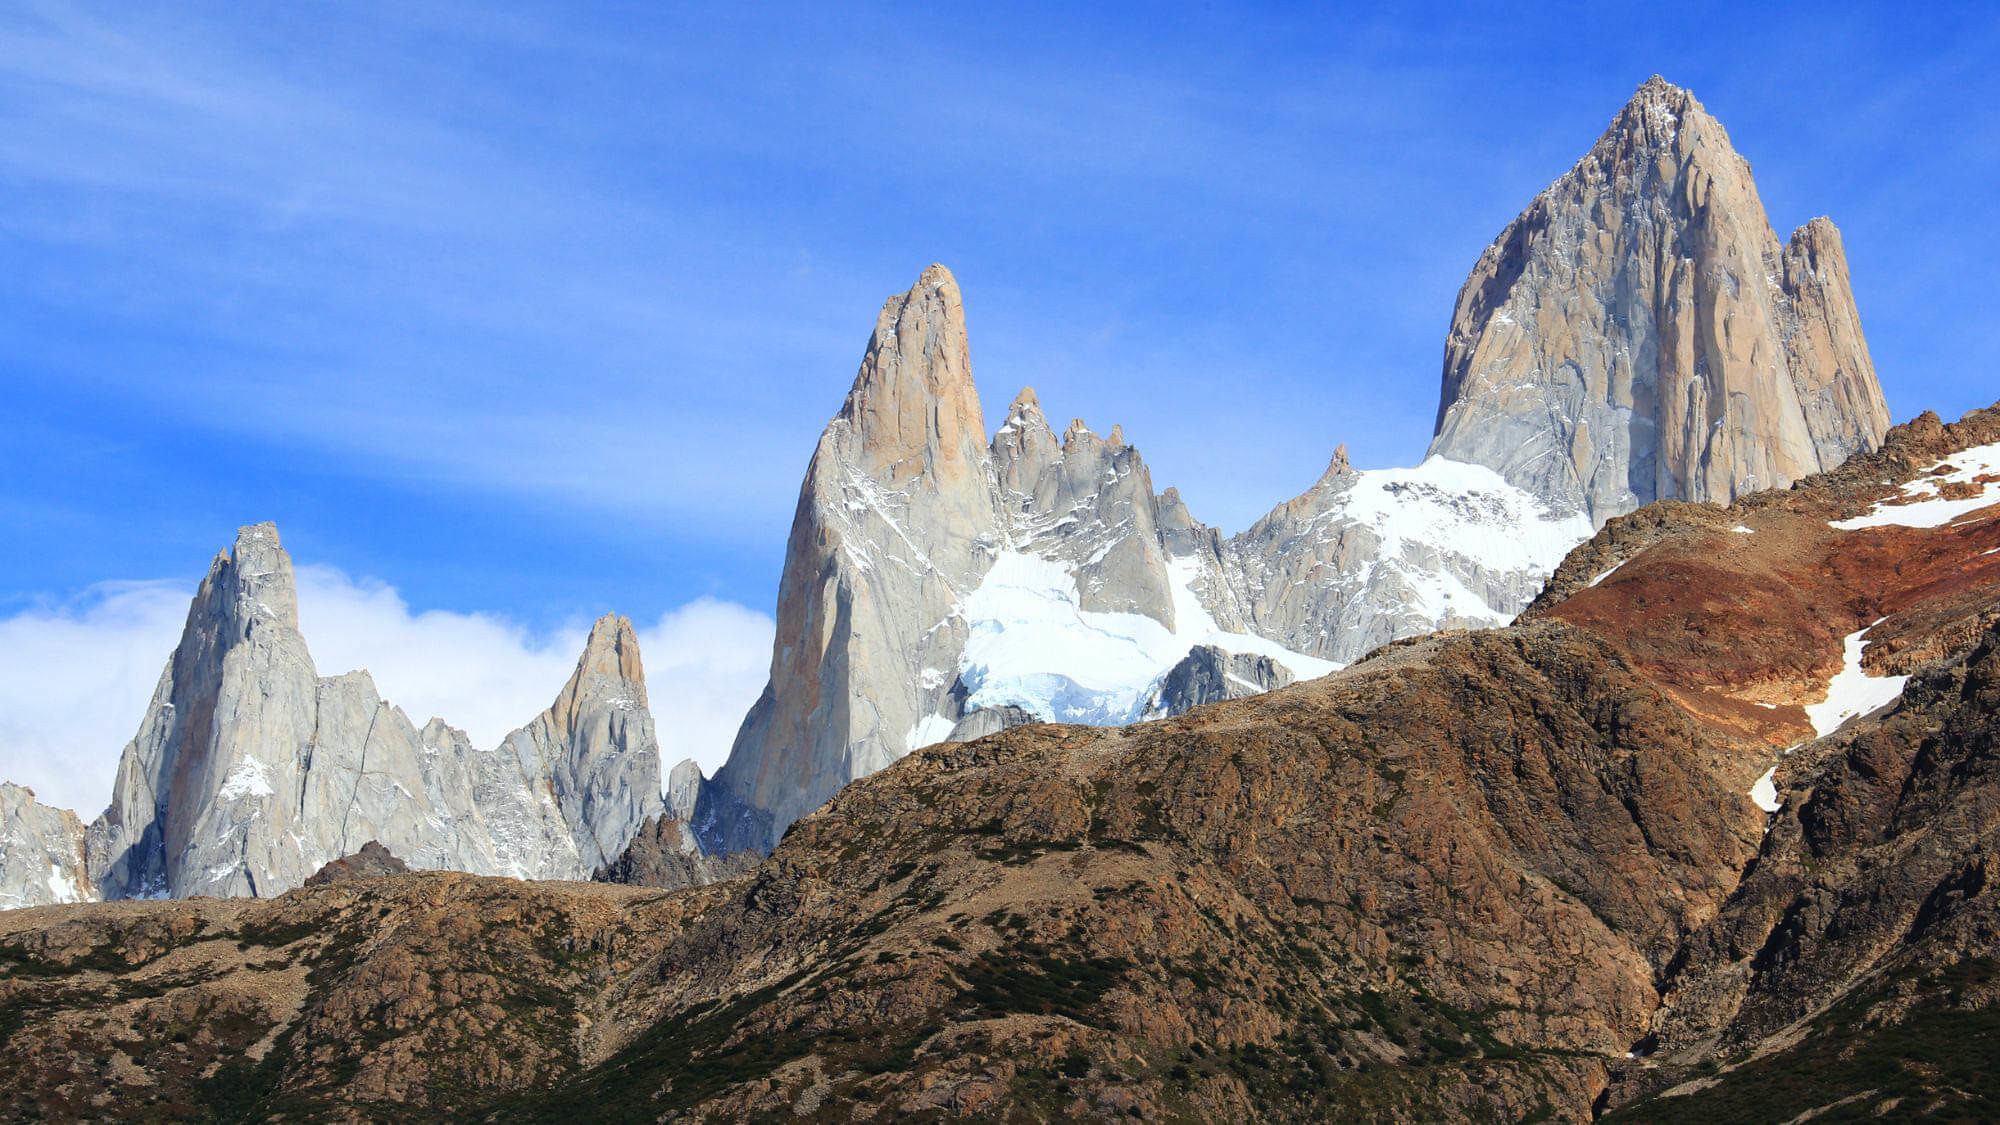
{"points": [[895, 526], [1640, 334]]}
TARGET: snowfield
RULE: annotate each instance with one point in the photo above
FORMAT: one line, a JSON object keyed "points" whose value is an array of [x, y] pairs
{"points": [[1445, 519], [1914, 510], [1031, 644], [1467, 509]]}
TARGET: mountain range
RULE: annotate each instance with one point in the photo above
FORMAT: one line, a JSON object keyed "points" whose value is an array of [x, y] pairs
{"points": [[1638, 334], [1707, 834], [1635, 756]]}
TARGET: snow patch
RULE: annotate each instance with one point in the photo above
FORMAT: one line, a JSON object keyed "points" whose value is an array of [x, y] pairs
{"points": [[929, 730], [1461, 508], [62, 886], [1765, 792], [250, 778], [1852, 691], [1922, 503], [1194, 624]]}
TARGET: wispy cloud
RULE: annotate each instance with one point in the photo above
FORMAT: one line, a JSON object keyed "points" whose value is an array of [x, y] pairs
{"points": [[75, 676], [617, 263]]}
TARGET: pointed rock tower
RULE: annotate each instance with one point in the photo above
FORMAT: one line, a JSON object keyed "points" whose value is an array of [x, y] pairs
{"points": [[895, 524], [1640, 334], [250, 771], [596, 747]]}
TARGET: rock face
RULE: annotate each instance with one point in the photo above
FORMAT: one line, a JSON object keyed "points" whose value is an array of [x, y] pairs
{"points": [[1640, 334], [684, 790], [1209, 675], [250, 771], [895, 524], [581, 778], [990, 720], [1087, 501], [41, 852], [1366, 557], [665, 856]]}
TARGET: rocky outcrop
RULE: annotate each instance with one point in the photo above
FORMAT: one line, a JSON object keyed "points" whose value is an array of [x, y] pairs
{"points": [[373, 861], [990, 720], [1640, 334], [1087, 501], [895, 524], [577, 782], [1209, 675], [684, 790], [250, 771], [664, 856], [41, 852]]}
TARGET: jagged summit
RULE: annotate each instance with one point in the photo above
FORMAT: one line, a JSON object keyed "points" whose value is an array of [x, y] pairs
{"points": [[610, 659], [913, 409], [1639, 333], [250, 770], [596, 745], [257, 574], [1338, 465]]}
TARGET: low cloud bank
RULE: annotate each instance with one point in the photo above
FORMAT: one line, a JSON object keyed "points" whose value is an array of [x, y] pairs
{"points": [[75, 676]]}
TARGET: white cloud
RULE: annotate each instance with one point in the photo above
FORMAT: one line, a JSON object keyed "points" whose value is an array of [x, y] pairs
{"points": [[74, 680], [75, 676]]}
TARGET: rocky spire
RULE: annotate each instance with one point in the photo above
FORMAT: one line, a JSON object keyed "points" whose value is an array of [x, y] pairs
{"points": [[895, 523], [1024, 450], [597, 748], [1087, 500], [250, 771], [214, 777], [1639, 333], [684, 783]]}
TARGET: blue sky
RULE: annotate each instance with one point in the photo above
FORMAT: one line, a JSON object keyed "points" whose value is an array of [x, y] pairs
{"points": [[536, 311]]}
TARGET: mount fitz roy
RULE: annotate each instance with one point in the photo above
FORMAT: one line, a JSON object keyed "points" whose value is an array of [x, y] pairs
{"points": [[1638, 334]]}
